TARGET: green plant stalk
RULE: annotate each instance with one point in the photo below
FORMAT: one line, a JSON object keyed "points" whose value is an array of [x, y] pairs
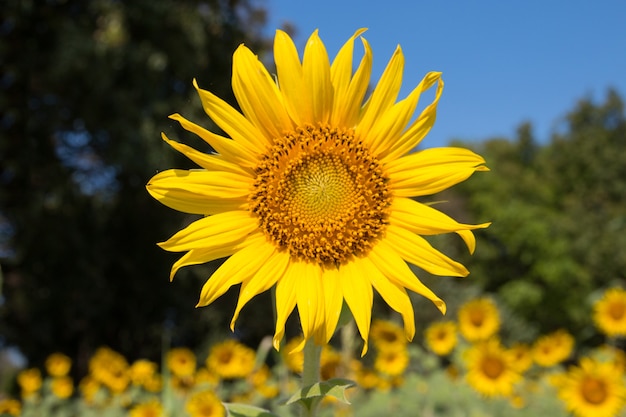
{"points": [[310, 374]]}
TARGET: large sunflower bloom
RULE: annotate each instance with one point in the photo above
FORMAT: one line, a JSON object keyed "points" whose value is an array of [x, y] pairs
{"points": [[312, 193], [609, 313], [593, 389]]}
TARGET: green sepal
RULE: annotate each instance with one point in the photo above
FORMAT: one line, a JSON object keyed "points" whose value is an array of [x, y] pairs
{"points": [[244, 410], [335, 387]]}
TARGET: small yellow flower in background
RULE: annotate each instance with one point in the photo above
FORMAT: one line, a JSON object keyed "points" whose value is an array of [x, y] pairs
{"points": [[29, 381], [330, 362], [154, 383], [552, 349], [490, 369], [294, 359], [10, 406], [231, 359], [62, 387], [391, 362], [593, 389], [88, 387], [58, 364], [110, 369], [609, 313], [148, 409], [204, 376], [262, 384], [387, 335], [313, 192], [522, 357], [365, 377], [479, 319], [205, 404], [142, 371], [441, 337], [181, 361]]}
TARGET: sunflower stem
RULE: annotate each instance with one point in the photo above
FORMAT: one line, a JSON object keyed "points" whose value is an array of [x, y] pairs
{"points": [[310, 374]]}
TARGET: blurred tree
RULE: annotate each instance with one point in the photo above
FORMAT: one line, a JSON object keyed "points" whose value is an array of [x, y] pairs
{"points": [[559, 215], [86, 90]]}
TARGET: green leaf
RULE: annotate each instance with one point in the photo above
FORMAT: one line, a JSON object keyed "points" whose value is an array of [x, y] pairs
{"points": [[332, 388], [244, 410]]}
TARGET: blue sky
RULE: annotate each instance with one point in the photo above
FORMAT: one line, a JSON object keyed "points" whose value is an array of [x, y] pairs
{"points": [[503, 62]]}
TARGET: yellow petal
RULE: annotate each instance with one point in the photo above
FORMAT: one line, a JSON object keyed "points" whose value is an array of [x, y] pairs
{"points": [[432, 170], [258, 96], [206, 161], [267, 275], [387, 260], [310, 298], [393, 294], [357, 291], [285, 301], [226, 147], [201, 256], [424, 220], [385, 134], [333, 298], [347, 104], [238, 268], [341, 69], [384, 95], [213, 231], [200, 192], [412, 137], [289, 71], [232, 122], [316, 78], [416, 250]]}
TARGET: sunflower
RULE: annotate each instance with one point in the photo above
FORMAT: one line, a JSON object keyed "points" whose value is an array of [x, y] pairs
{"points": [[89, 387], [181, 361], [478, 319], [231, 359], [58, 364], [552, 349], [330, 362], [609, 313], [391, 362], [151, 408], [387, 335], [110, 368], [142, 371], [29, 381], [593, 389], [490, 369], [441, 337], [10, 406], [313, 192], [62, 387], [205, 404], [522, 357], [293, 358]]}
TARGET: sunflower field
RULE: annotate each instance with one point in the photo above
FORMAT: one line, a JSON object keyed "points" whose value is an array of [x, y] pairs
{"points": [[461, 366]]}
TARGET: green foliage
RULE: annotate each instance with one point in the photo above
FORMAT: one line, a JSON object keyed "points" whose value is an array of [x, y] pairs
{"points": [[87, 88], [558, 212], [244, 410]]}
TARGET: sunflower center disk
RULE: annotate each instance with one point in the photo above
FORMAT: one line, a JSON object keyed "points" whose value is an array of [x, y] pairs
{"points": [[321, 195], [492, 367], [594, 390]]}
